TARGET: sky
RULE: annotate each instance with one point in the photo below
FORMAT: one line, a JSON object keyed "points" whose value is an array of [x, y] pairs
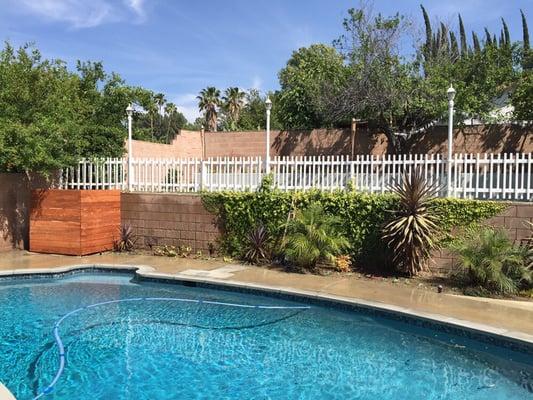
{"points": [[179, 47]]}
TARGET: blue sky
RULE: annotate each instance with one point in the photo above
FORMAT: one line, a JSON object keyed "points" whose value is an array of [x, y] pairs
{"points": [[179, 47]]}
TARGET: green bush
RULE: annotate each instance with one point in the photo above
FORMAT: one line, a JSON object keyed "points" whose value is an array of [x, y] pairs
{"points": [[489, 262], [363, 216], [314, 236]]}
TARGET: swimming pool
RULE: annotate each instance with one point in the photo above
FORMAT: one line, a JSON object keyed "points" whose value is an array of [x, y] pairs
{"points": [[154, 341]]}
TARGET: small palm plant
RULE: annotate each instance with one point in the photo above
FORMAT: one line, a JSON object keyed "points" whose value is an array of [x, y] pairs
{"points": [[314, 236], [411, 232], [488, 260]]}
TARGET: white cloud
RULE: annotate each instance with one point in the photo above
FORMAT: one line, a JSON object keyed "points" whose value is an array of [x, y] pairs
{"points": [[138, 7], [257, 82], [187, 105], [85, 14]]}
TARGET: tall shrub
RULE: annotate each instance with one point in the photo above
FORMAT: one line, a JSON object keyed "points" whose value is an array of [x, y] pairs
{"points": [[411, 233]]}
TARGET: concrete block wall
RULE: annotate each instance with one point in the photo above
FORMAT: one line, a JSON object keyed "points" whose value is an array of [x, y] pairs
{"points": [[176, 219], [513, 220], [169, 219]]}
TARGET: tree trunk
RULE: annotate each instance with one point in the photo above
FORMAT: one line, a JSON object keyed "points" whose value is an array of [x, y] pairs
{"points": [[394, 140]]}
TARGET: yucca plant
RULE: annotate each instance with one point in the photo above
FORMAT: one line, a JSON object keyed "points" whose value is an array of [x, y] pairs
{"points": [[257, 246], [126, 240], [490, 261], [314, 236], [411, 233]]}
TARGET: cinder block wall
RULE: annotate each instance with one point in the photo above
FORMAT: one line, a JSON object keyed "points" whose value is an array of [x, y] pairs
{"points": [[169, 219], [182, 220], [513, 220]]}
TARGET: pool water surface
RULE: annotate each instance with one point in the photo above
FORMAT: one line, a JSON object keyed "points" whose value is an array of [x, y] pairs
{"points": [[200, 349]]}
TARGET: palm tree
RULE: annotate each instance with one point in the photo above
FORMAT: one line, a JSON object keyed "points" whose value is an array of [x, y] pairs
{"points": [[151, 109], [233, 103], [170, 111], [208, 101], [160, 100]]}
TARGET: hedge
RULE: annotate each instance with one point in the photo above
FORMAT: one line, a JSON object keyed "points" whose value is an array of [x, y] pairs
{"points": [[364, 215]]}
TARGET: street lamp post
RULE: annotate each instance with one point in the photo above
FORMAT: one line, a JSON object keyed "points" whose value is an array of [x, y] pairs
{"points": [[129, 112], [451, 95], [268, 104]]}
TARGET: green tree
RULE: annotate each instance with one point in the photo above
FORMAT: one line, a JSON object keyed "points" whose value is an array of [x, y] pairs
{"points": [[522, 97], [525, 31], [102, 100], [209, 102], [382, 87], [462, 36], [429, 34], [302, 80], [253, 114], [39, 123], [50, 116]]}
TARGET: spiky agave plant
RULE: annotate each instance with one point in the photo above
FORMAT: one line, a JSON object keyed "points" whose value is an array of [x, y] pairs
{"points": [[314, 236], [126, 240], [410, 234], [257, 246]]}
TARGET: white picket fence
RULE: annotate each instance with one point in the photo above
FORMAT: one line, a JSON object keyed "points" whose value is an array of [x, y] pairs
{"points": [[480, 176]]}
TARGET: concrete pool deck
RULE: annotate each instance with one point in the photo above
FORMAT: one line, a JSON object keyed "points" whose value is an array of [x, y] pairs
{"points": [[510, 318]]}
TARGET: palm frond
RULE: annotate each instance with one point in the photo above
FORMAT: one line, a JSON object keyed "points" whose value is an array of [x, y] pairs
{"points": [[314, 236]]}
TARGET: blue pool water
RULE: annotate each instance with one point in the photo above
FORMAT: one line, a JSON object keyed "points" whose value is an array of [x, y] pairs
{"points": [[189, 350]]}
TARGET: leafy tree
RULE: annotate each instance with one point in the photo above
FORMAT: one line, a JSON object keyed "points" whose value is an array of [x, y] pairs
{"points": [[102, 100], [158, 120], [302, 81], [209, 102], [50, 116], [253, 114], [429, 35], [39, 122], [476, 43], [521, 99], [505, 34], [381, 86]]}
